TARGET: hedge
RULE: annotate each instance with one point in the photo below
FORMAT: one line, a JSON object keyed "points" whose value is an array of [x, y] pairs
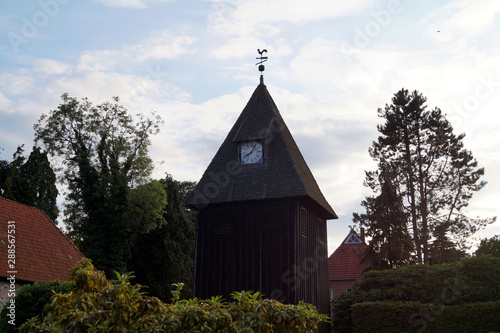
{"points": [[414, 317], [30, 301], [471, 280], [99, 305]]}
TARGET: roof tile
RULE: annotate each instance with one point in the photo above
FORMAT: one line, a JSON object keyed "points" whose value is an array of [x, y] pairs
{"points": [[43, 252], [345, 261]]}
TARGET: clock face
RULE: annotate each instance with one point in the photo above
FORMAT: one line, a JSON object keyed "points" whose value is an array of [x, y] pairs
{"points": [[251, 152]]}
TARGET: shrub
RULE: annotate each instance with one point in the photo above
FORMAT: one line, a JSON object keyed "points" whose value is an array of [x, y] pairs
{"points": [[413, 317], [471, 280], [99, 305], [30, 301]]}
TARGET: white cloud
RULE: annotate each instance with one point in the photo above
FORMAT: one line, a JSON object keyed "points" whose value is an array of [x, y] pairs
{"points": [[458, 21], [48, 66], [102, 86], [17, 83], [159, 45], [129, 3], [100, 60], [261, 16], [239, 47], [5, 104]]}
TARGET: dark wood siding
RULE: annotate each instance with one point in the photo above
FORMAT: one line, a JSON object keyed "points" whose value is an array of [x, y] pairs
{"points": [[277, 247], [244, 246], [312, 258]]}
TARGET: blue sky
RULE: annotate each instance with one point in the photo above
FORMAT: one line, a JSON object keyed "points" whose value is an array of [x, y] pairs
{"points": [[331, 65]]}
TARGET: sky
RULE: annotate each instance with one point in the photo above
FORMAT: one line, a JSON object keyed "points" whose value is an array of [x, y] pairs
{"points": [[331, 65]]}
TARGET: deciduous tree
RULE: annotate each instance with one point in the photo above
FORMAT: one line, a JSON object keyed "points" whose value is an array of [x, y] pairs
{"points": [[489, 246], [104, 154], [165, 255]]}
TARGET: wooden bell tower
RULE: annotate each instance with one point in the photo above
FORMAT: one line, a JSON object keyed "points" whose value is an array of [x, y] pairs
{"points": [[261, 221]]}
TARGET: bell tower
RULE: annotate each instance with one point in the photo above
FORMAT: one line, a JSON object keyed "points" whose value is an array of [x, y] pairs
{"points": [[261, 222]]}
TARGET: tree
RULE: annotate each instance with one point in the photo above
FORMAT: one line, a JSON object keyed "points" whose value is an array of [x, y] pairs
{"points": [[442, 249], [489, 246], [31, 182], [385, 221], [104, 154], [165, 255], [435, 175]]}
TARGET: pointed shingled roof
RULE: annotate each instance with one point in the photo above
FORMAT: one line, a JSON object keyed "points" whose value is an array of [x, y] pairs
{"points": [[283, 173], [43, 252]]}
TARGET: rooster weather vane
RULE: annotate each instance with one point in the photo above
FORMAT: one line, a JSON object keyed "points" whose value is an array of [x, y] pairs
{"points": [[262, 60]]}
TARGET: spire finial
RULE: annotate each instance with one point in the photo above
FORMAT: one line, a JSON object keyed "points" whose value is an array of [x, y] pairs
{"points": [[260, 63]]}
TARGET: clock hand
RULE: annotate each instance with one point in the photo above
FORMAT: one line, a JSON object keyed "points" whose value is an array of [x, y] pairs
{"points": [[251, 151]]}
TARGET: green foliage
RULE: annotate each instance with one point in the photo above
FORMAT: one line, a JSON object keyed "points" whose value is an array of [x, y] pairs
{"points": [[146, 205], [489, 246], [434, 174], [414, 317], [105, 155], [30, 181], [165, 255], [30, 301], [474, 279], [99, 305], [385, 222]]}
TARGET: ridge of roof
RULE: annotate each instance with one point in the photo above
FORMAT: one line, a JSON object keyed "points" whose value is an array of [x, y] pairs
{"points": [[283, 173]]}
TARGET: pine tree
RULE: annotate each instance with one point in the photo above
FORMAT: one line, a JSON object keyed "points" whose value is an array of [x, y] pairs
{"points": [[385, 223], [30, 181], [435, 176]]}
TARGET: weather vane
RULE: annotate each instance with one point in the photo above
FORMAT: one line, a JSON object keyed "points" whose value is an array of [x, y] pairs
{"points": [[262, 60], [260, 63]]}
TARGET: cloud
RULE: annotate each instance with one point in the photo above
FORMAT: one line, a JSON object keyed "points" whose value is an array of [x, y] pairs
{"points": [[102, 86], [5, 104], [260, 16], [159, 45], [17, 83], [129, 3], [459, 21], [48, 66]]}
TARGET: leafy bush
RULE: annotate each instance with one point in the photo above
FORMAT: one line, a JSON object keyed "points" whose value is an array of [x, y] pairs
{"points": [[99, 305], [30, 301], [414, 317], [471, 280]]}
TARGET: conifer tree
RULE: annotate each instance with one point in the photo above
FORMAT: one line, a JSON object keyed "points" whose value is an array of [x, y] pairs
{"points": [[385, 222], [30, 181], [435, 176]]}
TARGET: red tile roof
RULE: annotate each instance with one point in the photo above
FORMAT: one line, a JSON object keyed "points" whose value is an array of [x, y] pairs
{"points": [[43, 252], [344, 263]]}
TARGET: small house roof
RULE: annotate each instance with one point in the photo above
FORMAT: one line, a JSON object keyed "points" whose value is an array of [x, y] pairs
{"points": [[345, 261], [43, 252], [283, 173]]}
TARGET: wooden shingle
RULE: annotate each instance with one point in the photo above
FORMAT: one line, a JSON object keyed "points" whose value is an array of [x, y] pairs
{"points": [[283, 173]]}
